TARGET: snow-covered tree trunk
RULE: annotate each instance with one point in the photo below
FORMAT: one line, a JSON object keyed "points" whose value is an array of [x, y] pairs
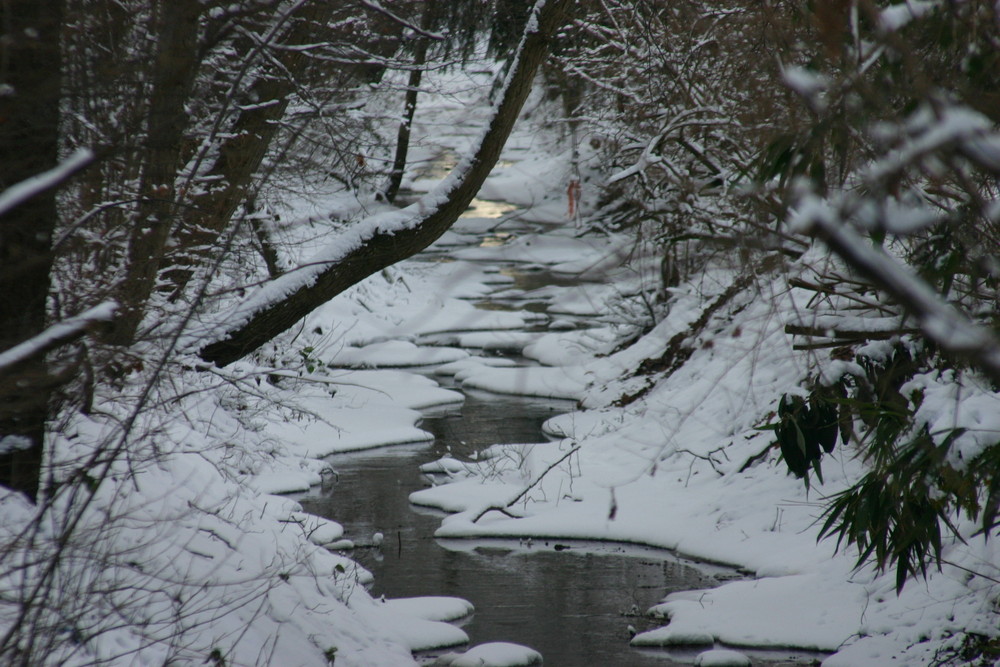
{"points": [[380, 241]]}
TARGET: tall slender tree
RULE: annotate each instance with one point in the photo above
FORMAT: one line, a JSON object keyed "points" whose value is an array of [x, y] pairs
{"points": [[410, 104], [30, 92]]}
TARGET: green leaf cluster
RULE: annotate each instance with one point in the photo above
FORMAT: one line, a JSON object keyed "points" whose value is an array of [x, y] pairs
{"points": [[806, 428], [902, 510], [310, 362], [896, 512]]}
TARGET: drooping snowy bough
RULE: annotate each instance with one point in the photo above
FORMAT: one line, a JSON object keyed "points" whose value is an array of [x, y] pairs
{"points": [[383, 239]]}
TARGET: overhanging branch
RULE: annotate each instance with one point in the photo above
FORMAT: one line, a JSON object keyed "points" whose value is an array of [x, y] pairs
{"points": [[382, 240], [944, 324], [56, 335]]}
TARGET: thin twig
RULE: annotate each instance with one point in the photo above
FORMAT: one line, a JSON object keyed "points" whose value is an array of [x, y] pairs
{"points": [[503, 510]]}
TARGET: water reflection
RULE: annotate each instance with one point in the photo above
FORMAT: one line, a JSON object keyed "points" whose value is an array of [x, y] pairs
{"points": [[484, 208], [574, 605]]}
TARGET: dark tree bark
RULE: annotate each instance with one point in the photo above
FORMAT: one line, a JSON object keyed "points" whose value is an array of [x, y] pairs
{"points": [[409, 109], [29, 124], [431, 216], [237, 167], [177, 61]]}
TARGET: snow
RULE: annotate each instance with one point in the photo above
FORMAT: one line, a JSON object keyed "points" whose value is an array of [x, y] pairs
{"points": [[58, 333], [494, 654], [432, 607], [414, 632], [318, 530], [682, 465], [722, 658], [18, 193], [765, 612], [804, 82], [397, 354], [13, 443], [893, 18], [472, 364], [513, 341], [533, 381], [537, 249], [220, 551], [365, 409]]}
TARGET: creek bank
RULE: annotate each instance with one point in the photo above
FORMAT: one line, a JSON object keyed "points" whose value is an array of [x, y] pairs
{"points": [[573, 604]]}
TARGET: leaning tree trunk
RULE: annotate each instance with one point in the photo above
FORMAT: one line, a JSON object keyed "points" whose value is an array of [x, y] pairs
{"points": [[378, 243], [29, 124]]}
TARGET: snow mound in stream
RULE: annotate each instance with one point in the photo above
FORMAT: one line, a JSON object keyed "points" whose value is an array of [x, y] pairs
{"points": [[494, 654], [397, 354], [722, 658], [432, 607]]}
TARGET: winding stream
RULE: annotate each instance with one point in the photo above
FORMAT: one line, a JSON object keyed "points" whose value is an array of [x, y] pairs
{"points": [[577, 603]]}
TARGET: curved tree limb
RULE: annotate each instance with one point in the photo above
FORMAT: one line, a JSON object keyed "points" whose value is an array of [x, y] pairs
{"points": [[382, 240], [60, 333]]}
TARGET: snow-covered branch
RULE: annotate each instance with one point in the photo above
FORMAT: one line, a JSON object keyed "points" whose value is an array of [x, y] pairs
{"points": [[941, 322], [17, 194], [57, 334]]}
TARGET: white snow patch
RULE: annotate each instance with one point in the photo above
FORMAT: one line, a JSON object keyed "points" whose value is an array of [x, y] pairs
{"points": [[722, 658], [493, 654], [432, 607]]}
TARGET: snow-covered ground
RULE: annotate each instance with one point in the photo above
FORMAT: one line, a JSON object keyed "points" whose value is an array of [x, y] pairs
{"points": [[211, 566], [679, 467]]}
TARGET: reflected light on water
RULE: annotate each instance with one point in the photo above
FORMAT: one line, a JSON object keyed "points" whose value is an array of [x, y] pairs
{"points": [[494, 240], [482, 208]]}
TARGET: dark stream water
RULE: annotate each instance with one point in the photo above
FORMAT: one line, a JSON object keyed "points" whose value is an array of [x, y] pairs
{"points": [[574, 605]]}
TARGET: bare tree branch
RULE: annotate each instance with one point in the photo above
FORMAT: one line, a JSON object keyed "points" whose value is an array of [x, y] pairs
{"points": [[503, 510], [58, 334], [17, 194]]}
